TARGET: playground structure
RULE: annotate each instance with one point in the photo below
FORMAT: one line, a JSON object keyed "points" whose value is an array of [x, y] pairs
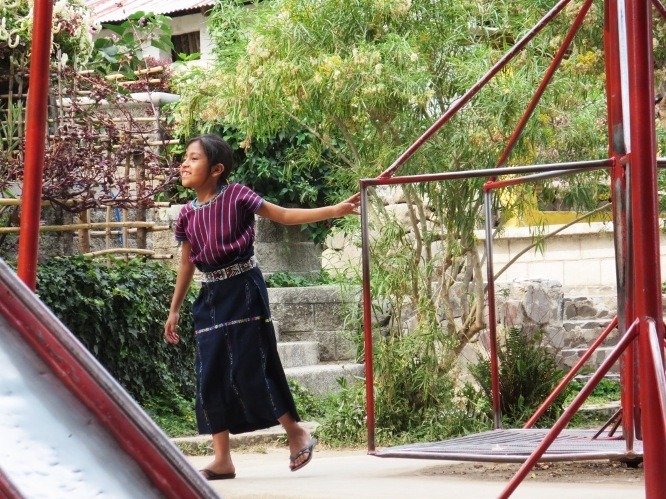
{"points": [[633, 166]]}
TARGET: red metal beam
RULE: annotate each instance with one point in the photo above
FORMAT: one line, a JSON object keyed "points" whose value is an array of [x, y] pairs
{"points": [[36, 120], [645, 238], [367, 320]]}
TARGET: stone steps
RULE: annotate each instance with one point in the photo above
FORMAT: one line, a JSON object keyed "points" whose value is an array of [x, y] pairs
{"points": [[298, 353], [322, 379]]}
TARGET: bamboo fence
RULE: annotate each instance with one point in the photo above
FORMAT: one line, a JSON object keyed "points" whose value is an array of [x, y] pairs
{"points": [[12, 105]]}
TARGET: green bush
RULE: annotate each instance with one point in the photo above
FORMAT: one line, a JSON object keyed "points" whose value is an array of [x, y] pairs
{"points": [[117, 310], [528, 373]]}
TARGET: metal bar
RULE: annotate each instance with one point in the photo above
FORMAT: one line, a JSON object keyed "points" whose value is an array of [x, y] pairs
{"points": [[570, 375], [552, 68], [453, 109], [658, 366], [35, 144], [621, 212], [570, 411], [508, 458], [497, 184], [645, 240], [608, 423], [492, 321], [490, 172], [367, 319]]}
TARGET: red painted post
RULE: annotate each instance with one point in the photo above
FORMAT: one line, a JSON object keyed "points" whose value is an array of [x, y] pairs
{"points": [[645, 243], [367, 319], [617, 149], [37, 115]]}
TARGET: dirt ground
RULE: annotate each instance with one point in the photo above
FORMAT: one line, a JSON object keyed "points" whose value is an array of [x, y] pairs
{"points": [[576, 471]]}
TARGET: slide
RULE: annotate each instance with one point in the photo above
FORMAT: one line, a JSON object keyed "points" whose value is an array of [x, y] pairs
{"points": [[67, 428]]}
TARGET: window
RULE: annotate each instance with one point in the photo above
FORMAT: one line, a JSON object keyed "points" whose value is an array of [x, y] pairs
{"points": [[187, 43]]}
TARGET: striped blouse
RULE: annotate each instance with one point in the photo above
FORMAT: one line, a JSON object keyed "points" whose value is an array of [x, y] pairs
{"points": [[221, 230]]}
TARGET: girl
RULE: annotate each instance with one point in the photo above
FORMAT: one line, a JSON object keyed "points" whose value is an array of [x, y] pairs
{"points": [[241, 385]]}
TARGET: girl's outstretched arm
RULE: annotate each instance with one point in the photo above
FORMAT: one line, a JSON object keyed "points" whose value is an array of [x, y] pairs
{"points": [[297, 216], [183, 280]]}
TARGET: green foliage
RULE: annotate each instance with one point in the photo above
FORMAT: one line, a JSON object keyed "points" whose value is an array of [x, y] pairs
{"points": [[118, 310], [173, 413], [528, 373], [309, 407], [288, 280]]}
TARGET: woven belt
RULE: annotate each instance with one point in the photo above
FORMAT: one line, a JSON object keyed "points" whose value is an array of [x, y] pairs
{"points": [[230, 271]]}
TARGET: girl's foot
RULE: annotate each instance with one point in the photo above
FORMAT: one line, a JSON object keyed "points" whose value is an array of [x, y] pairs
{"points": [[300, 448], [221, 470]]}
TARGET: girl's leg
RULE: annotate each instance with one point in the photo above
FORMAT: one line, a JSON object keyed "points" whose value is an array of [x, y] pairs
{"points": [[222, 463], [298, 438]]}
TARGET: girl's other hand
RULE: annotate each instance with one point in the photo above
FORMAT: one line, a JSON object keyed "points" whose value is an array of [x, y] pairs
{"points": [[171, 328], [349, 206]]}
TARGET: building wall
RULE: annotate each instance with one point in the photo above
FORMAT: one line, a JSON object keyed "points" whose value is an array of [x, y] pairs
{"points": [[581, 255]]}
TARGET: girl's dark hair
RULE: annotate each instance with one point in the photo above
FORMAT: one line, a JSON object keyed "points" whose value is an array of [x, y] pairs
{"points": [[216, 151]]}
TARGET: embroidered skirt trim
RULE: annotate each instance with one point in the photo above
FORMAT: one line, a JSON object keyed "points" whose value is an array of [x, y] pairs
{"points": [[231, 323]]}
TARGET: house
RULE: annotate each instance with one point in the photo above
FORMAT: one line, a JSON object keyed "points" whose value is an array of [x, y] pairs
{"points": [[189, 23]]}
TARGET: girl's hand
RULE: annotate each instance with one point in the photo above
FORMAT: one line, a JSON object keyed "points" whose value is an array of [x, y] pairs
{"points": [[170, 328], [349, 206]]}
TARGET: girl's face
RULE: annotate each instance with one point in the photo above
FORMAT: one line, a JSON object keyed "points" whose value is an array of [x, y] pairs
{"points": [[195, 172]]}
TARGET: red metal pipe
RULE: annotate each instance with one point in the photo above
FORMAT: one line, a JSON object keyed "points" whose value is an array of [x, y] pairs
{"points": [[492, 321], [570, 411], [570, 375], [617, 149], [498, 184], [645, 242], [552, 68], [453, 109], [489, 172], [367, 319], [658, 366], [36, 119]]}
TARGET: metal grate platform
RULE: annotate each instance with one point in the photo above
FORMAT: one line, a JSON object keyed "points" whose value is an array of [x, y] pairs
{"points": [[516, 445]]}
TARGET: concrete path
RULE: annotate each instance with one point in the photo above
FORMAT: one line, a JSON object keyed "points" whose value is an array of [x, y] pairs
{"points": [[264, 473]]}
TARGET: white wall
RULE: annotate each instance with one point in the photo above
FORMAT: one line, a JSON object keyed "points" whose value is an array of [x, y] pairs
{"points": [[581, 255]]}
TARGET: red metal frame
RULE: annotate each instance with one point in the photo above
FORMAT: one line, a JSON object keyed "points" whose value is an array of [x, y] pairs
{"points": [[86, 379], [633, 162], [36, 119]]}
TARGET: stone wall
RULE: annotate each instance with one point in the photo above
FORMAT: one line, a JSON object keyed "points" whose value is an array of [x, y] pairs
{"points": [[313, 314]]}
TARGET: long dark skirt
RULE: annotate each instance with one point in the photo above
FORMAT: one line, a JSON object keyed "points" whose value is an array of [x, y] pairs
{"points": [[241, 385]]}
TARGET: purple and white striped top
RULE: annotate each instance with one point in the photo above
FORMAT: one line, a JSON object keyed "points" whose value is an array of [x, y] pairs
{"points": [[221, 231]]}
